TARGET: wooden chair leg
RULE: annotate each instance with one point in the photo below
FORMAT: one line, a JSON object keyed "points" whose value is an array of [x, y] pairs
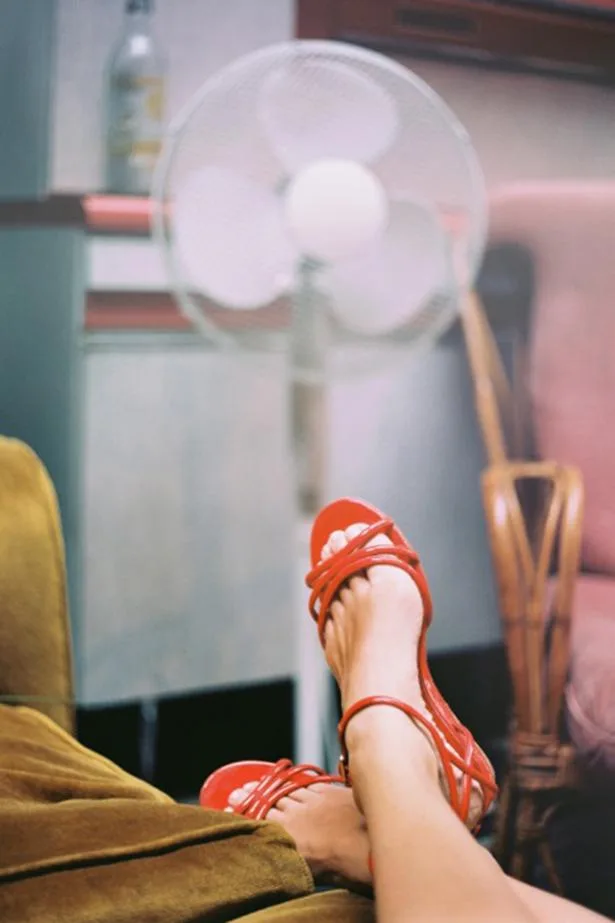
{"points": [[504, 825], [553, 876], [524, 844], [520, 836]]}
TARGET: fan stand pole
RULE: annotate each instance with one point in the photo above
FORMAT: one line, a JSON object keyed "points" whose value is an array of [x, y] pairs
{"points": [[315, 716]]}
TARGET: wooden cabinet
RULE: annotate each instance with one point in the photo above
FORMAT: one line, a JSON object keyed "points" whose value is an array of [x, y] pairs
{"points": [[171, 461], [576, 38], [187, 519]]}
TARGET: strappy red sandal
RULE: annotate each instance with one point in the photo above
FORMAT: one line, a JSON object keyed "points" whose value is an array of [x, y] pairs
{"points": [[325, 580], [274, 781]]}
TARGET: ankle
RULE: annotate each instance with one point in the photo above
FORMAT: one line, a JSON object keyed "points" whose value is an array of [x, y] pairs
{"points": [[381, 734]]}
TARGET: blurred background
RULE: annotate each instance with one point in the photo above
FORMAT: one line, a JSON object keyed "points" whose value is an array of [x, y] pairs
{"points": [[172, 462]]}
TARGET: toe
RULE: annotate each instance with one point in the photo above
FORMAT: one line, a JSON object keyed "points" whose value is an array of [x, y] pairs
{"points": [[358, 527], [337, 541], [276, 816], [236, 797], [325, 552], [294, 798], [355, 589], [240, 794], [380, 540], [354, 530]]}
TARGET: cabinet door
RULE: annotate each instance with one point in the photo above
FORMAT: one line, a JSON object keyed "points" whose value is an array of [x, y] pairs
{"points": [[188, 522]]}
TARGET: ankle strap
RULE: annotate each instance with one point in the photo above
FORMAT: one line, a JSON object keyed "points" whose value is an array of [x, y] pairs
{"points": [[459, 795], [367, 702]]}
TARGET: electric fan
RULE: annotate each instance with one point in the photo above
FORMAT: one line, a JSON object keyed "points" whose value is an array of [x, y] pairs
{"points": [[321, 199]]}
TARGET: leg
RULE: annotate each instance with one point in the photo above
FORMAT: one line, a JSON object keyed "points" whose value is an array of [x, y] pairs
{"points": [[331, 834], [549, 908], [428, 867]]}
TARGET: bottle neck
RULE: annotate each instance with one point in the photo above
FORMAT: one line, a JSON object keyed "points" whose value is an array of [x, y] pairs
{"points": [[138, 15], [138, 23]]}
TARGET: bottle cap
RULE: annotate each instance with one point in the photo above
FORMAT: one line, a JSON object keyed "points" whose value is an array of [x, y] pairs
{"points": [[139, 6]]}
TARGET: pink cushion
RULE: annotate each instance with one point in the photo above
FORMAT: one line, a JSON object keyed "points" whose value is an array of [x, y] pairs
{"points": [[590, 696], [570, 230]]}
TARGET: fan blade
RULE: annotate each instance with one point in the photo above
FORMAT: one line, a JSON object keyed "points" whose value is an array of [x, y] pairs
{"points": [[433, 161], [390, 284], [230, 238], [313, 109]]}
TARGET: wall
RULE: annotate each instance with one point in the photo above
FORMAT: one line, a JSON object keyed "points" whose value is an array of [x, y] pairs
{"points": [[523, 126], [199, 37], [530, 127], [26, 50]]}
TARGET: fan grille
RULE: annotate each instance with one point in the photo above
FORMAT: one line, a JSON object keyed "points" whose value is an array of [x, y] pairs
{"points": [[269, 113]]}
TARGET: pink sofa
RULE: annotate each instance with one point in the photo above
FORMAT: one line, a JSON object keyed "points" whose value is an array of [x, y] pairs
{"points": [[541, 347], [568, 229]]}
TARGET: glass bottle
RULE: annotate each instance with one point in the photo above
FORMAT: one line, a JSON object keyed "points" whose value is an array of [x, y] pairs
{"points": [[135, 90]]}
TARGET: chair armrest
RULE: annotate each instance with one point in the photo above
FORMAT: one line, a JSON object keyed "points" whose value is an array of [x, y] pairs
{"points": [[536, 559]]}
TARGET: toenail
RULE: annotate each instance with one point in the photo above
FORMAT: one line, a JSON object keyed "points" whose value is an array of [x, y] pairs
{"points": [[337, 540], [355, 529]]}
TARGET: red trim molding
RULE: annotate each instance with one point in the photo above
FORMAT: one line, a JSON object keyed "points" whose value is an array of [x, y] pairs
{"points": [[96, 214], [133, 311], [159, 311], [108, 214]]}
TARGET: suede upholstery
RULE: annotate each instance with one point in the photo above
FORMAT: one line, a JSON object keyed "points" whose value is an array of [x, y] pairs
{"points": [[80, 839], [569, 229], [35, 652]]}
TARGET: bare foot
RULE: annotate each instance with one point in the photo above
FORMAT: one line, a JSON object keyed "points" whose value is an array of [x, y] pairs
{"points": [[374, 630], [371, 645], [328, 829]]}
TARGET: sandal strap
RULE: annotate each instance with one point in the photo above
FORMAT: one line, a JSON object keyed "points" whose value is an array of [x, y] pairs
{"points": [[464, 759], [282, 780], [382, 526], [329, 575]]}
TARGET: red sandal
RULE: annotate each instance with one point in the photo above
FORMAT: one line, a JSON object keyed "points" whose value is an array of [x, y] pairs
{"points": [[325, 580], [274, 781]]}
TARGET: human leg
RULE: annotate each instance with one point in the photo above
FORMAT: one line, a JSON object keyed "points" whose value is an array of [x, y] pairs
{"points": [[331, 834], [427, 864]]}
